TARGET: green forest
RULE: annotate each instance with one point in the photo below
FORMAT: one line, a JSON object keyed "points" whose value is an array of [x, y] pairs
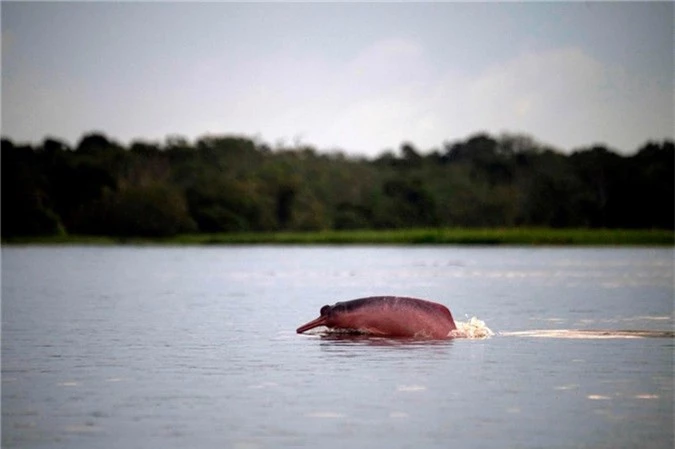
{"points": [[226, 184]]}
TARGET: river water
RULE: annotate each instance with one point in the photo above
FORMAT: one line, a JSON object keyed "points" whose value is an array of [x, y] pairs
{"points": [[175, 347]]}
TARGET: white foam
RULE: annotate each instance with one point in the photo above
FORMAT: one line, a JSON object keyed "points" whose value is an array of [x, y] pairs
{"points": [[598, 397], [474, 328]]}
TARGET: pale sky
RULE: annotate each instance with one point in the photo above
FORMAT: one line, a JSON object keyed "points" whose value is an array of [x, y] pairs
{"points": [[361, 77]]}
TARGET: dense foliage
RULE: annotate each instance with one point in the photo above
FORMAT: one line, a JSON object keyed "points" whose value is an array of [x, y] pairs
{"points": [[230, 183]]}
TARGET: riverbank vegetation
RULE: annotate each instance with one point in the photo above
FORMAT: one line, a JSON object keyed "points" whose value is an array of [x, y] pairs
{"points": [[449, 236], [232, 189]]}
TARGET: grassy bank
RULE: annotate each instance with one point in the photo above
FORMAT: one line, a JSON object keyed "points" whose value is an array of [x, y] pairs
{"points": [[511, 236]]}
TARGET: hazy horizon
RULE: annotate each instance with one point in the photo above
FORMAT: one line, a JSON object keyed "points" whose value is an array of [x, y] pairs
{"points": [[360, 77]]}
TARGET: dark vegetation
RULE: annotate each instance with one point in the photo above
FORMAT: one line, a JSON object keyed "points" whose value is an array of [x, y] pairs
{"points": [[225, 184]]}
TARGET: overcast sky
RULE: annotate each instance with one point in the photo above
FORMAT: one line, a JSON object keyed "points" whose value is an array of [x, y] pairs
{"points": [[358, 77]]}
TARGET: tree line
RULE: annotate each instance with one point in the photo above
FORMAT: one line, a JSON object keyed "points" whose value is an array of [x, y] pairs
{"points": [[228, 183]]}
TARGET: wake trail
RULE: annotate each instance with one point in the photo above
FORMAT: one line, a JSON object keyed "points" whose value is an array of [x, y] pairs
{"points": [[590, 333]]}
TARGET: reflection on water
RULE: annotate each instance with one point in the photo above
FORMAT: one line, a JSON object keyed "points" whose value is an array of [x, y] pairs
{"points": [[347, 338]]}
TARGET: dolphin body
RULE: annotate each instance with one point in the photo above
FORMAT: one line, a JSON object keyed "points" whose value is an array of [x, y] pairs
{"points": [[387, 316]]}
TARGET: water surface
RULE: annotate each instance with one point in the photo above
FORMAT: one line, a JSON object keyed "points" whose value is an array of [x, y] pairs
{"points": [[195, 347]]}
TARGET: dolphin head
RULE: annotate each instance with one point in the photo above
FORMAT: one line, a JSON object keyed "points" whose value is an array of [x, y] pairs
{"points": [[325, 319]]}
